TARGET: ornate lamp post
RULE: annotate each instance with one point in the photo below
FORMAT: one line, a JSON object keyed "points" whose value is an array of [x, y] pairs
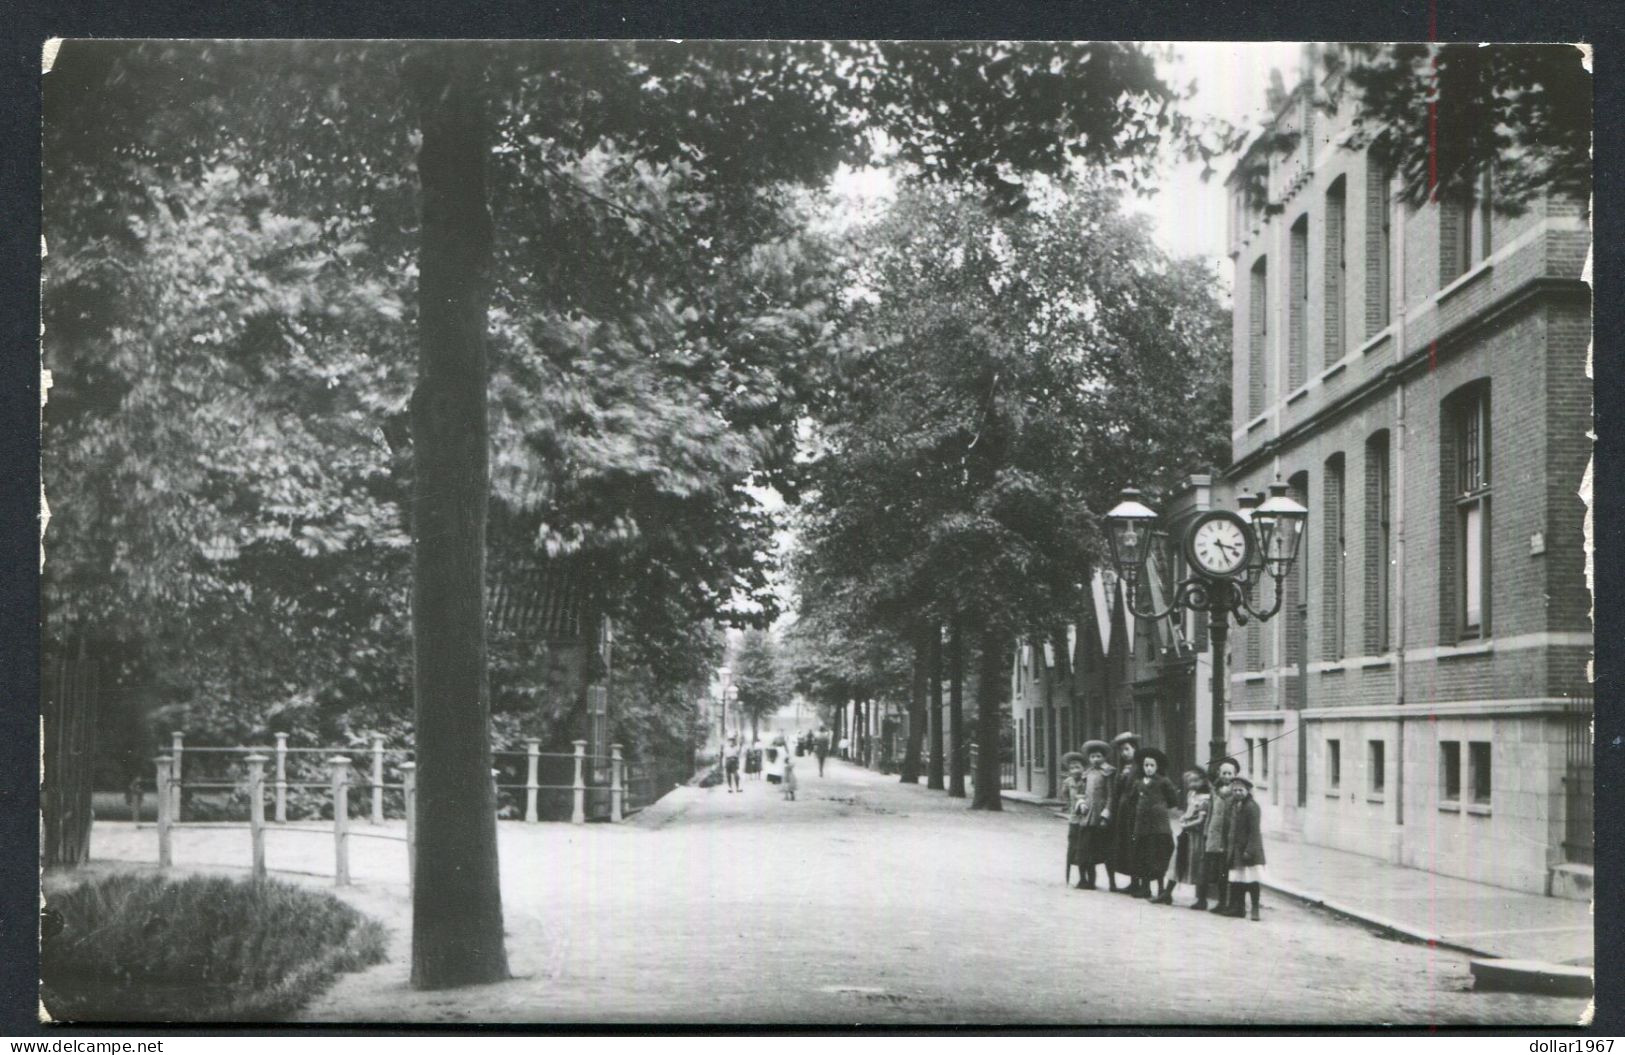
{"points": [[1228, 553]]}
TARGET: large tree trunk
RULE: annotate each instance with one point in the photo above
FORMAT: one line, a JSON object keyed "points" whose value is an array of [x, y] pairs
{"points": [[933, 663], [72, 687], [457, 900], [916, 710], [956, 711], [989, 708]]}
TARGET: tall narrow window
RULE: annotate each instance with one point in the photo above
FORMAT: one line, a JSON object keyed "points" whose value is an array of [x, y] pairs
{"points": [[1465, 557], [1464, 230], [1378, 248], [1378, 545], [1334, 765], [1296, 589], [1473, 513], [1478, 770], [1377, 765], [1450, 770], [1258, 334], [1333, 594], [1336, 270], [1298, 304]]}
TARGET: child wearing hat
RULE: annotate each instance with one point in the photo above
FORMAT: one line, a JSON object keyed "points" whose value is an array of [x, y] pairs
{"points": [[1246, 840], [1120, 854], [1073, 786], [1215, 845], [1153, 839], [1096, 806]]}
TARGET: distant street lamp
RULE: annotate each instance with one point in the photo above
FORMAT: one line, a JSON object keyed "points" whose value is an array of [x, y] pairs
{"points": [[1228, 552], [724, 673]]}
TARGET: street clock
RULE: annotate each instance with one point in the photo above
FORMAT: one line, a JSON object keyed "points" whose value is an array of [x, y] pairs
{"points": [[1219, 544]]}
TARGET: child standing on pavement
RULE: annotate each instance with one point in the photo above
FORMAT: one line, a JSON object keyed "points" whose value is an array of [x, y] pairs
{"points": [[1189, 858], [1073, 787], [1215, 845], [1120, 855], [1153, 838], [1246, 847], [1094, 811]]}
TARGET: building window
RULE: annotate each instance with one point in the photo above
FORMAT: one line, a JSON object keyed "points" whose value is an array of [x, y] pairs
{"points": [[1470, 432], [1039, 721], [1337, 275], [1296, 586], [1334, 765], [1297, 304], [1258, 335], [1378, 247], [1376, 752], [1378, 545], [1263, 760], [1450, 770], [1250, 745], [1333, 592], [1478, 770], [1464, 231]]}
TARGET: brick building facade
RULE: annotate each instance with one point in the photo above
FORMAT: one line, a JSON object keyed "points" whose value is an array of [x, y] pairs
{"points": [[1418, 377]]}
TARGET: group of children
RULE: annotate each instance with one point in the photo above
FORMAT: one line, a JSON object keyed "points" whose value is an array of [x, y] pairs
{"points": [[1132, 820]]}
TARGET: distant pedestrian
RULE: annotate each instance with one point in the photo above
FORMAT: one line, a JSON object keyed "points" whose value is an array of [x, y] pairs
{"points": [[1216, 836], [1189, 859], [753, 761], [846, 749], [1120, 856], [1246, 847], [789, 775], [1153, 838], [821, 750], [773, 761], [730, 763]]}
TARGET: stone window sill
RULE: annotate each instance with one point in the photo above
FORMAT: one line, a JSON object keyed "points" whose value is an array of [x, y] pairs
{"points": [[1253, 679], [1449, 807], [1299, 394], [1334, 795], [1376, 798], [1335, 369], [1375, 342], [1467, 649], [1466, 279], [1334, 667], [1479, 809], [1258, 422]]}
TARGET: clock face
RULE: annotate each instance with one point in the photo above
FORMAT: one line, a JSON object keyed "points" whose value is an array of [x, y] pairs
{"points": [[1219, 545]]}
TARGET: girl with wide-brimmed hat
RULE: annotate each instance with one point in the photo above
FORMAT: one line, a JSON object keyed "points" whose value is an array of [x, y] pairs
{"points": [[1216, 835], [1120, 855], [1154, 797], [1246, 847]]}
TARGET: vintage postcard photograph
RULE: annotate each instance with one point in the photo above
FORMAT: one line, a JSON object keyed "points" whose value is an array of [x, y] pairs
{"points": [[686, 533]]}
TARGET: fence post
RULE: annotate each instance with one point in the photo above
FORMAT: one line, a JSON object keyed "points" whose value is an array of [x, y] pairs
{"points": [[177, 743], [616, 786], [281, 778], [341, 820], [165, 857], [533, 760], [256, 809], [409, 791], [377, 778], [578, 811]]}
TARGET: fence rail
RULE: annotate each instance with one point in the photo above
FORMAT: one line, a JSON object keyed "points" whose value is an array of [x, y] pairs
{"points": [[517, 783]]}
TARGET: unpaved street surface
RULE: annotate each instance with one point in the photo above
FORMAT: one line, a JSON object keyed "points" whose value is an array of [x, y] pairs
{"points": [[866, 901]]}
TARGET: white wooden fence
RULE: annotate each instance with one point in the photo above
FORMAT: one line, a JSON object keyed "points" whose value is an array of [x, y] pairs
{"points": [[170, 783]]}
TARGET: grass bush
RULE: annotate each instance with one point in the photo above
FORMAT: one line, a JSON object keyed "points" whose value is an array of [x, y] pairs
{"points": [[202, 948]]}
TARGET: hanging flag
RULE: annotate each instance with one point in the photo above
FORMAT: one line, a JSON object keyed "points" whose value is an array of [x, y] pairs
{"points": [[1103, 612]]}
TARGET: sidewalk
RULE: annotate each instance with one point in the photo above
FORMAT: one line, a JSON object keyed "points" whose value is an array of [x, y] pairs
{"points": [[1474, 918], [1478, 919]]}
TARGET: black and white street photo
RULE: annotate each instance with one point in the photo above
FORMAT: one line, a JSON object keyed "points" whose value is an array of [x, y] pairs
{"points": [[686, 533]]}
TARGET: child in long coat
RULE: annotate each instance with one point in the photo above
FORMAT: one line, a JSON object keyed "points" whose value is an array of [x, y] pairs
{"points": [[1153, 839], [1246, 838], [1215, 848], [1093, 804], [1120, 854]]}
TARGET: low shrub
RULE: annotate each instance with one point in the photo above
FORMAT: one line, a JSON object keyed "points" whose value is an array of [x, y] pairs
{"points": [[202, 948]]}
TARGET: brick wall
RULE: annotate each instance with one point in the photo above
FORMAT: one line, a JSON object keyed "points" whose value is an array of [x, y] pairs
{"points": [[1377, 249], [1335, 273]]}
